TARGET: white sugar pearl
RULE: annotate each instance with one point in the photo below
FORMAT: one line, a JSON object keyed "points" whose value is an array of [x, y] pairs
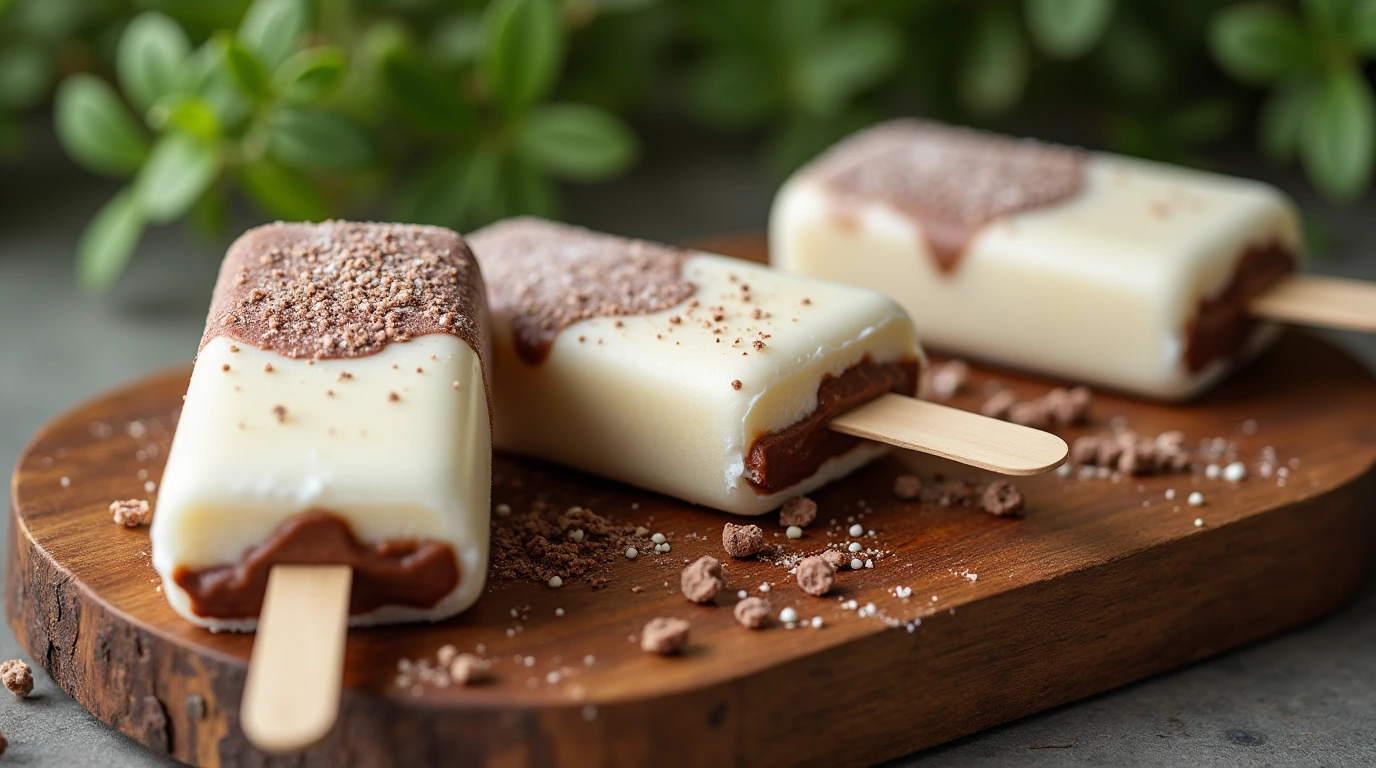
{"points": [[855, 546], [503, 510], [869, 563], [576, 534], [742, 594], [1196, 499], [794, 532], [1199, 522], [559, 612], [631, 553], [1212, 471], [857, 530], [1170, 494], [658, 538], [788, 616], [856, 564], [764, 587], [664, 547], [1235, 472], [816, 622], [556, 582]]}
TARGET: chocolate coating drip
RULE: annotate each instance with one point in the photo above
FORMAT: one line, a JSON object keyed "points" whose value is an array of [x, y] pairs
{"points": [[404, 572], [950, 181], [780, 460], [546, 276], [1222, 325], [343, 289]]}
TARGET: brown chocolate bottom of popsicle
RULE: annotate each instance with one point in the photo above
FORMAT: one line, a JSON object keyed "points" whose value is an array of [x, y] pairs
{"points": [[403, 572], [782, 459], [1223, 324]]}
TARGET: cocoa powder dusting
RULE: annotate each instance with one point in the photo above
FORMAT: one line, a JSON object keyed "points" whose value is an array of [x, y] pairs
{"points": [[344, 289], [547, 276], [951, 181], [543, 540]]}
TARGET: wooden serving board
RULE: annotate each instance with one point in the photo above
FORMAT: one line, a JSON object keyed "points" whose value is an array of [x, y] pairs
{"points": [[1102, 583]]}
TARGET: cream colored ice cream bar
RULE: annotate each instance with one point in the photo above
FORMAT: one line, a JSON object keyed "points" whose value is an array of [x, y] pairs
{"points": [[1093, 267], [698, 376], [337, 414]]}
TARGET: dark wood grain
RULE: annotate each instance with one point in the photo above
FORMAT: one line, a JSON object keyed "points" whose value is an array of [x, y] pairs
{"points": [[1091, 591]]}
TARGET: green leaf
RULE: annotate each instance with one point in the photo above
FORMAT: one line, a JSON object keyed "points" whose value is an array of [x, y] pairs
{"points": [[96, 129], [209, 217], [729, 89], [523, 50], [109, 240], [1336, 141], [458, 40], [459, 190], [310, 74], [528, 192], [796, 23], [575, 141], [248, 72], [844, 62], [179, 170], [151, 58], [186, 114], [1282, 118], [26, 69], [1200, 122], [1258, 43], [1067, 29], [993, 71], [316, 139], [1326, 15], [426, 95], [273, 29], [283, 192], [1363, 26], [1135, 60]]}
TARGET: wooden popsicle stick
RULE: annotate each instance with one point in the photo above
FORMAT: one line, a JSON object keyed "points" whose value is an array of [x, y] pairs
{"points": [[1329, 302], [969, 438], [291, 697]]}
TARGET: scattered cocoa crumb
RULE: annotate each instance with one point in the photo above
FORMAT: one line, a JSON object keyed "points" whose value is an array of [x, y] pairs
{"points": [[233, 348], [752, 612], [542, 541], [131, 512], [954, 493], [742, 540], [942, 381], [1068, 407], [1002, 498], [267, 367], [736, 384], [664, 636], [225, 367], [1133, 454], [1085, 450], [702, 580], [1030, 413], [907, 487], [468, 669], [799, 511], [835, 558], [280, 411], [344, 376], [998, 406], [17, 677], [392, 397], [816, 576]]}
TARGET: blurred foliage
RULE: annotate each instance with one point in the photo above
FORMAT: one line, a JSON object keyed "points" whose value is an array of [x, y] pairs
{"points": [[458, 112]]}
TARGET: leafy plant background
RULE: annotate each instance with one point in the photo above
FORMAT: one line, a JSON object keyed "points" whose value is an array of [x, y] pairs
{"points": [[458, 112]]}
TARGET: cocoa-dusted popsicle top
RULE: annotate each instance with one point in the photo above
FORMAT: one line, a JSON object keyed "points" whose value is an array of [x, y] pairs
{"points": [[344, 289], [546, 276], [951, 181]]}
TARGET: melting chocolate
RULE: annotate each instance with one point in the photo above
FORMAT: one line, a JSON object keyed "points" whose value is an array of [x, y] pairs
{"points": [[1222, 325]]}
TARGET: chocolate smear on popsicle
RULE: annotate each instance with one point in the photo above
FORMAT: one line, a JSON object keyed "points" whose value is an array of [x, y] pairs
{"points": [[547, 276], [951, 181]]}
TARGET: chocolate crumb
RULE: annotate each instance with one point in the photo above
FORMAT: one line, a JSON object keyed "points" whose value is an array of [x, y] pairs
{"points": [[737, 383], [468, 669], [742, 540], [280, 411], [702, 580], [344, 376], [17, 677], [267, 367], [392, 397], [835, 557], [131, 512], [1085, 450], [816, 576], [225, 367], [1002, 498], [664, 636], [907, 487], [998, 406], [752, 612], [1030, 413], [799, 511]]}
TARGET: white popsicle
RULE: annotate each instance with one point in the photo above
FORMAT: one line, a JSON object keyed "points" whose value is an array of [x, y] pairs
{"points": [[1094, 267], [337, 414]]}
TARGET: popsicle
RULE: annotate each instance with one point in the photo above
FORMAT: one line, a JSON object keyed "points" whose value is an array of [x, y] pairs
{"points": [[721, 382], [1139, 276], [336, 437]]}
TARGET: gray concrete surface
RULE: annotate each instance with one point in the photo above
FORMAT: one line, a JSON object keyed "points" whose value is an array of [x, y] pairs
{"points": [[1307, 698]]}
